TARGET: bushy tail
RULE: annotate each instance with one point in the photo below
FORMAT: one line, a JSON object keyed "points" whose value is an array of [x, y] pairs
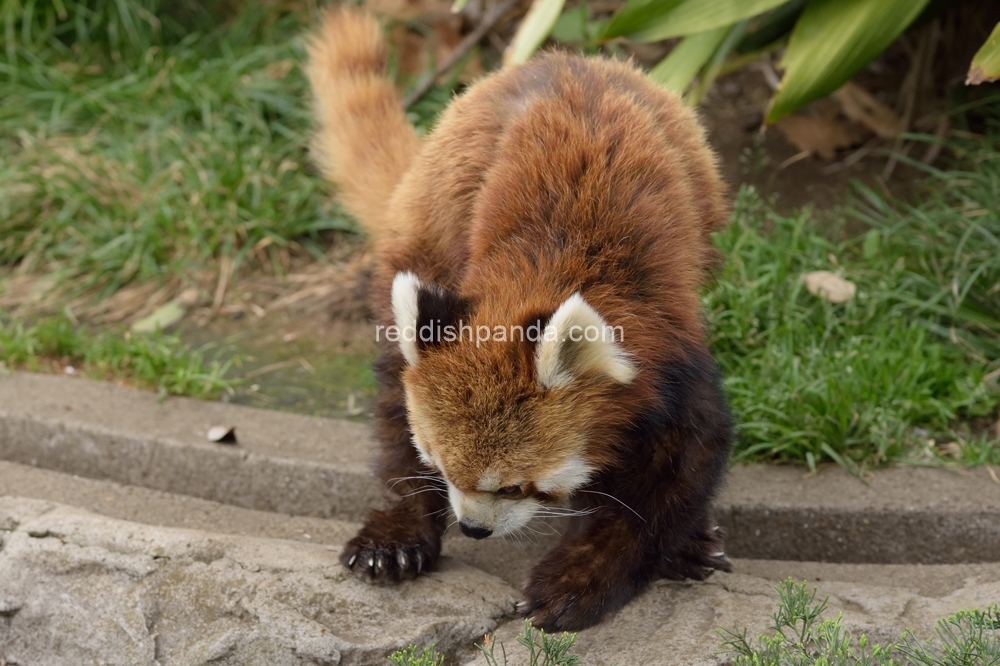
{"points": [[364, 143]]}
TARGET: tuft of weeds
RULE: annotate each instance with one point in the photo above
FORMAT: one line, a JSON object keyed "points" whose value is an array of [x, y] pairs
{"points": [[411, 656], [968, 638], [543, 650], [158, 361], [871, 380]]}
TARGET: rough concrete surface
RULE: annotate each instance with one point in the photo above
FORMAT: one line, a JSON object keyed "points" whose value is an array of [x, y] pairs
{"points": [[76, 588], [508, 560], [675, 624]]}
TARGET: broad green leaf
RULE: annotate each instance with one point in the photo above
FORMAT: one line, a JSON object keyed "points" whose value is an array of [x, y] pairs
{"points": [[571, 27], [768, 28], [831, 42], [985, 65], [653, 20], [676, 70], [535, 27], [734, 34]]}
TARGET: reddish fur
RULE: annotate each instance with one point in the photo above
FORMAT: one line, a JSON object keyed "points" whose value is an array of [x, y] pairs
{"points": [[562, 175]]}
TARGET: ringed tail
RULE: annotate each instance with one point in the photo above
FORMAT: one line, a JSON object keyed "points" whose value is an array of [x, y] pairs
{"points": [[364, 143]]}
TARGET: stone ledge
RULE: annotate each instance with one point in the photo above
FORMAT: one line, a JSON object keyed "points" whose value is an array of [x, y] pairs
{"points": [[284, 463], [307, 466], [80, 588]]}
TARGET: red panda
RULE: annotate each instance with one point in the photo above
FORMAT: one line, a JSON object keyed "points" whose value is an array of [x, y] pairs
{"points": [[570, 198]]}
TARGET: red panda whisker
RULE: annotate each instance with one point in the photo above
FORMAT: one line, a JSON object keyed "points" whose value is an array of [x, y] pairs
{"points": [[440, 491], [399, 479], [598, 492]]}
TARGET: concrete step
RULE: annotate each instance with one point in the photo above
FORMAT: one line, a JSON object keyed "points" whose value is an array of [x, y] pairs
{"points": [[303, 466], [676, 624], [78, 587], [508, 561]]}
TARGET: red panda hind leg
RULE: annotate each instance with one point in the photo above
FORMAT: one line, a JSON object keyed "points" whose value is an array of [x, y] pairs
{"points": [[650, 517]]}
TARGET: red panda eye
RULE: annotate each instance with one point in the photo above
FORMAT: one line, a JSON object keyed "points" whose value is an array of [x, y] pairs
{"points": [[509, 491]]}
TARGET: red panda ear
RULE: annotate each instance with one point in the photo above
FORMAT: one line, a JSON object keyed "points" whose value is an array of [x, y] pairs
{"points": [[426, 315], [577, 341]]}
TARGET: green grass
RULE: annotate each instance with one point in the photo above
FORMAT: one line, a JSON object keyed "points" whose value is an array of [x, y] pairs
{"points": [[913, 357], [159, 163], [968, 638], [158, 361]]}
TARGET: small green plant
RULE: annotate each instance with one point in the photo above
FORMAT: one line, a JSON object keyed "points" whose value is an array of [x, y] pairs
{"points": [[968, 638], [543, 649], [411, 657], [799, 638]]}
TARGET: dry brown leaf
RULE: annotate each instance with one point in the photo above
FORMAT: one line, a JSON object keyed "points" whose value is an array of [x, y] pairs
{"points": [[862, 107], [821, 135], [830, 286]]}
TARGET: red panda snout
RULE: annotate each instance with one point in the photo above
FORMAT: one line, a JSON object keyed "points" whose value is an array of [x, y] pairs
{"points": [[482, 514]]}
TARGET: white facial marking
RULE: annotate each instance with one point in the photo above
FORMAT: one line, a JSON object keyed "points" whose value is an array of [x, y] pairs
{"points": [[489, 482], [568, 477], [405, 287], [422, 453], [486, 510], [577, 341]]}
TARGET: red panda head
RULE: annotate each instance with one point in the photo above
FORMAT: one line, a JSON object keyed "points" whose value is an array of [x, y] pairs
{"points": [[513, 422]]}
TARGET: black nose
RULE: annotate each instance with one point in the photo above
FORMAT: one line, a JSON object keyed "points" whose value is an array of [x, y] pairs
{"points": [[470, 530]]}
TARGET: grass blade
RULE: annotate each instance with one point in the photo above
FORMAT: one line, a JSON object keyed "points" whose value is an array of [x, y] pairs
{"points": [[685, 60], [533, 31]]}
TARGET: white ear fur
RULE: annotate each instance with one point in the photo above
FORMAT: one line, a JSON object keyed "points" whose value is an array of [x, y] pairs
{"points": [[405, 287], [564, 352]]}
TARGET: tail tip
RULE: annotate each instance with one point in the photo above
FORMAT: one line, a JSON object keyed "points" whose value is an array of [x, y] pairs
{"points": [[348, 43]]}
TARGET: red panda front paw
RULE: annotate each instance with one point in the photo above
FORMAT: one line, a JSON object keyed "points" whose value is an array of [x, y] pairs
{"points": [[393, 546], [386, 562]]}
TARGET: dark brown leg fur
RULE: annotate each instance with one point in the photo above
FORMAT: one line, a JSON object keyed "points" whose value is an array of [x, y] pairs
{"points": [[404, 539], [657, 522]]}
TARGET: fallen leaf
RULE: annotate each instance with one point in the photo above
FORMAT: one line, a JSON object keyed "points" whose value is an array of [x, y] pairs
{"points": [[162, 318], [820, 134], [862, 107], [830, 286], [222, 434], [951, 450]]}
